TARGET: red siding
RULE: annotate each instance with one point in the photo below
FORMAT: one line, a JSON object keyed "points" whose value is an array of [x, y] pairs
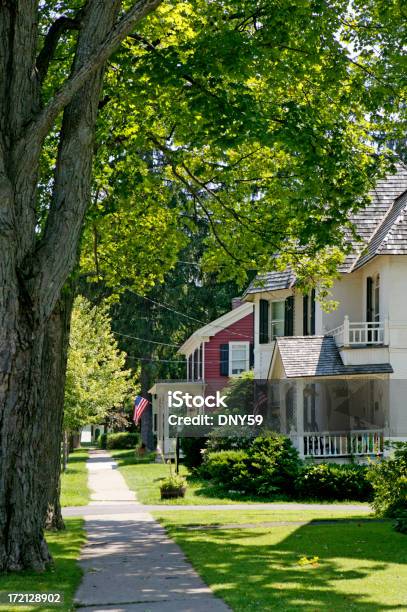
{"points": [[241, 331]]}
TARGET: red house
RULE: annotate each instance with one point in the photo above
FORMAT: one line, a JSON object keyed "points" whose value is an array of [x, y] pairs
{"points": [[214, 353], [222, 348]]}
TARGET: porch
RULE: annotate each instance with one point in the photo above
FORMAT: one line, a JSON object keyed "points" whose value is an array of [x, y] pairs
{"points": [[341, 444], [365, 333]]}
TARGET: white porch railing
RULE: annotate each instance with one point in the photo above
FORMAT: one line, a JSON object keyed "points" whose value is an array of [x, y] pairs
{"points": [[340, 444], [364, 333]]}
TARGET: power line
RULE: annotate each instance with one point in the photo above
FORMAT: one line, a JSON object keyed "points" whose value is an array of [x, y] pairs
{"points": [[153, 359], [144, 339], [182, 314]]}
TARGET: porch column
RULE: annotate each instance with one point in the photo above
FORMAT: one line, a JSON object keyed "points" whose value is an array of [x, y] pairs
{"points": [[386, 331], [300, 384], [346, 331]]}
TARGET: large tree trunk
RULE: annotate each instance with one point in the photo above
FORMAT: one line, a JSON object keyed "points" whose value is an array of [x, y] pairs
{"points": [[34, 267], [31, 278], [23, 489], [53, 375]]}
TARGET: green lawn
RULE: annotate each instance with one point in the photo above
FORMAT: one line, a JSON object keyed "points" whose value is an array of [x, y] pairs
{"points": [[74, 481], [341, 567], [64, 576], [144, 478]]}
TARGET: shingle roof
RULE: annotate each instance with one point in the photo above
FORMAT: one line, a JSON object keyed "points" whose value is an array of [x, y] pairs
{"points": [[390, 237], [272, 281], [319, 356]]}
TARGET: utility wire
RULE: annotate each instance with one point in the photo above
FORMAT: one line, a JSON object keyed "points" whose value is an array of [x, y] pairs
{"points": [[182, 314], [144, 339]]}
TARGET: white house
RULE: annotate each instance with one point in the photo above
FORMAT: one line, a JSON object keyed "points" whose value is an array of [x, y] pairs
{"points": [[363, 342]]}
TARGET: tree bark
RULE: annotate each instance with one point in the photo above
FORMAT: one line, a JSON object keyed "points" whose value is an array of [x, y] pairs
{"points": [[54, 361], [33, 273]]}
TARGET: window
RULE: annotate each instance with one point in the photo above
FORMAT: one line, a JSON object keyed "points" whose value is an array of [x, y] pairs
{"points": [[308, 314], [238, 357], [377, 299], [277, 319]]}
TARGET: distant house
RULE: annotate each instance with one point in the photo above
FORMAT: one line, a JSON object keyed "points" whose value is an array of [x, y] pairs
{"points": [[214, 353], [363, 342]]}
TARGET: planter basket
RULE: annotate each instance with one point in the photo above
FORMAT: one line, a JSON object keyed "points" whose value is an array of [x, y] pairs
{"points": [[173, 493]]}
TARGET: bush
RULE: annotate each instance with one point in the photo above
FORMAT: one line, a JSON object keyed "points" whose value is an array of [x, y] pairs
{"points": [[334, 481], [228, 468], [123, 439], [102, 440], [269, 467], [192, 451], [274, 464], [389, 482], [400, 524]]}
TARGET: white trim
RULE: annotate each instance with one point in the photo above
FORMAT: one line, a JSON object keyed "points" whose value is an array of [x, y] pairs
{"points": [[214, 327], [239, 344]]}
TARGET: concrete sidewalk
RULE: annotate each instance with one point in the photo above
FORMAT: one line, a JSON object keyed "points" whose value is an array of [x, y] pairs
{"points": [[122, 508], [129, 563]]}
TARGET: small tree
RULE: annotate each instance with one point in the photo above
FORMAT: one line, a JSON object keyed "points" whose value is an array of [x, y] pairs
{"points": [[96, 380]]}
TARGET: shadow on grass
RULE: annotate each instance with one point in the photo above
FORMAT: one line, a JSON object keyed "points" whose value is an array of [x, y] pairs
{"points": [[62, 576], [208, 489], [253, 571]]}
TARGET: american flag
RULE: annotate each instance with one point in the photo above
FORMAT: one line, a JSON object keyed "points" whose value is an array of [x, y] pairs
{"points": [[140, 404]]}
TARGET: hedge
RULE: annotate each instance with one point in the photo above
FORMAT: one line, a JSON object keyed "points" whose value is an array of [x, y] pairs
{"points": [[389, 481], [269, 466], [123, 439], [334, 481]]}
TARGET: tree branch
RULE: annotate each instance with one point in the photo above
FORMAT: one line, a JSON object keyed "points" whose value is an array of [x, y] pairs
{"points": [[41, 125], [52, 38]]}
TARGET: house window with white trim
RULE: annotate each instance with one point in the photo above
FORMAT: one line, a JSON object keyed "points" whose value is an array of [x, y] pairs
{"points": [[277, 319], [377, 299], [239, 357]]}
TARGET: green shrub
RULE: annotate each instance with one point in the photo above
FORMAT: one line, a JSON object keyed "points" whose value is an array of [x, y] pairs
{"points": [[228, 468], [274, 464], [389, 482], [102, 440], [400, 524], [269, 466], [123, 439], [192, 451], [334, 481]]}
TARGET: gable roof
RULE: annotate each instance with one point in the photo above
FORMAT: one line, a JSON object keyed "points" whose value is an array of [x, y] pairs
{"points": [[381, 226], [214, 327], [390, 236], [304, 356], [271, 281]]}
